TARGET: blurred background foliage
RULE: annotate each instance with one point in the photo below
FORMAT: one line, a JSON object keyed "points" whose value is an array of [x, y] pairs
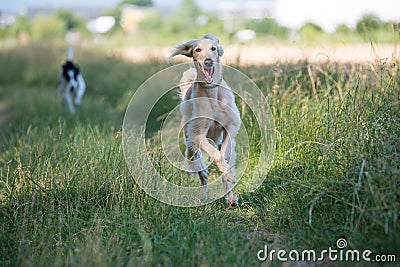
{"points": [[189, 21]]}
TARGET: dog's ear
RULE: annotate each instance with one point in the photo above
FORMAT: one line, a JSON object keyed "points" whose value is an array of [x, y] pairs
{"points": [[211, 37], [216, 40], [220, 51], [185, 49]]}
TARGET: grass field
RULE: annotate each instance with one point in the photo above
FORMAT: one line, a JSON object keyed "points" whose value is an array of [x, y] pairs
{"points": [[67, 197]]}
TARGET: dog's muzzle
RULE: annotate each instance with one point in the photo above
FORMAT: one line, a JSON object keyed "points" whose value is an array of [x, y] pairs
{"points": [[208, 70]]}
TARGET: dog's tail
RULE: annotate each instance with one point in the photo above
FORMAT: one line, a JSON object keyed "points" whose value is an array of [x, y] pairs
{"points": [[188, 77], [70, 53]]}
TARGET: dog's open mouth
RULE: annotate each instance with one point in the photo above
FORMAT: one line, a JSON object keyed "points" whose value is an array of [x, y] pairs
{"points": [[208, 73]]}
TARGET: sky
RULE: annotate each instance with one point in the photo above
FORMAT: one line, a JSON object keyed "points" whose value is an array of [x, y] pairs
{"points": [[17, 5], [329, 13], [290, 13]]}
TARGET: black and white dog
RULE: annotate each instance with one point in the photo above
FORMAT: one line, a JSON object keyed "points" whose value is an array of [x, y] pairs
{"points": [[71, 83]]}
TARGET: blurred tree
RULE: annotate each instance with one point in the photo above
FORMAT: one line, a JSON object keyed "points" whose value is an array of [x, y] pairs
{"points": [[186, 15], [309, 32], [267, 26], [368, 23], [150, 23], [47, 27], [21, 26], [137, 2], [393, 27], [71, 20], [343, 28], [312, 27], [190, 7], [116, 11]]}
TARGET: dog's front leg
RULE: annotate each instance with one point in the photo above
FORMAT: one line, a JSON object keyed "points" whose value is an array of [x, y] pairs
{"points": [[68, 99], [227, 150], [228, 172], [230, 197], [194, 163], [216, 158], [228, 143], [80, 91]]}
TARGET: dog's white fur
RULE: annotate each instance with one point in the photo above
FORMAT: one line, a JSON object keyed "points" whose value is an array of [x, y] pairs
{"points": [[209, 113], [71, 83]]}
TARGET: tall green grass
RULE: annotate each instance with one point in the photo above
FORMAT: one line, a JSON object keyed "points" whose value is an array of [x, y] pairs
{"points": [[67, 197]]}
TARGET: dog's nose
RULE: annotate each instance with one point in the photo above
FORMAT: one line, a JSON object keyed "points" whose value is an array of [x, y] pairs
{"points": [[208, 62]]}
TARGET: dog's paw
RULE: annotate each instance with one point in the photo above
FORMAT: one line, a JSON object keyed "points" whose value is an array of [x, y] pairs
{"points": [[232, 200], [77, 102]]}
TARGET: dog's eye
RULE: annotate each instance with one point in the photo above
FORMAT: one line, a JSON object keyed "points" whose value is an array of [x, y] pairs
{"points": [[198, 50], [213, 48]]}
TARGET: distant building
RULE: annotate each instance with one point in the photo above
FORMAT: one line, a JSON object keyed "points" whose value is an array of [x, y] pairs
{"points": [[132, 15], [6, 19], [101, 24], [85, 12], [96, 22]]}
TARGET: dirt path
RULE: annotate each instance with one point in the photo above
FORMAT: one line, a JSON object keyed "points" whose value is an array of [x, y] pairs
{"points": [[267, 55]]}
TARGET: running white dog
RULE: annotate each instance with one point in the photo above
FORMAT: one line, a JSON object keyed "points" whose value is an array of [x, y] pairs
{"points": [[209, 113], [71, 83]]}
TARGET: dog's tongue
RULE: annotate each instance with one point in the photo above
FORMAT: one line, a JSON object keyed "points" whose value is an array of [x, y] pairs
{"points": [[208, 74]]}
